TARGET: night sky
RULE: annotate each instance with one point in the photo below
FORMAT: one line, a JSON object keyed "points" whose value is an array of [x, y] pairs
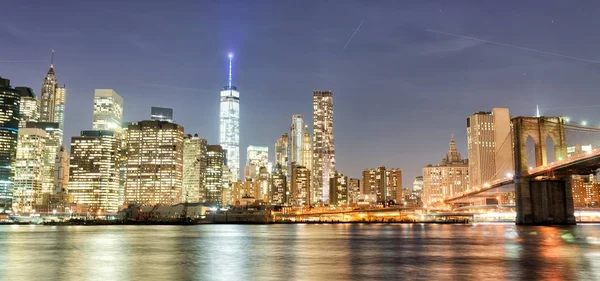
{"points": [[407, 80]]}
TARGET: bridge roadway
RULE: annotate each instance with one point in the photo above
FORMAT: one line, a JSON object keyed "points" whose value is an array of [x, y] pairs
{"points": [[373, 213], [587, 161]]}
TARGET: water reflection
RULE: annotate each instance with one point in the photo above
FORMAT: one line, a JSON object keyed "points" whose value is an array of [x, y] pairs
{"points": [[300, 252]]}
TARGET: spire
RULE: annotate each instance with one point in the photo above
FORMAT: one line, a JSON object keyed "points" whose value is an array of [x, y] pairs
{"points": [[537, 111], [230, 58], [453, 155], [52, 60]]}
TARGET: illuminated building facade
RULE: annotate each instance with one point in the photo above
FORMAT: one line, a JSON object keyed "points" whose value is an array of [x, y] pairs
{"points": [[94, 171], [194, 168], [300, 143], [282, 154], [445, 180], [585, 191], [108, 110], [382, 183], [154, 163], [161, 114], [229, 125], [279, 190], [52, 102], [300, 186], [323, 144], [9, 135], [29, 169], [418, 184], [264, 185], [338, 190], [256, 158], [489, 144], [29, 106], [61, 175], [354, 190], [54, 136], [216, 160]]}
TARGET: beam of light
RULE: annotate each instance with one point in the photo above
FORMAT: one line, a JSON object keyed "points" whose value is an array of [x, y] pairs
{"points": [[23, 61], [570, 107], [512, 46], [230, 58], [355, 31]]}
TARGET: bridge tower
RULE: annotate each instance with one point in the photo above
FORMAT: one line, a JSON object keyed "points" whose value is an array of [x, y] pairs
{"points": [[546, 200]]}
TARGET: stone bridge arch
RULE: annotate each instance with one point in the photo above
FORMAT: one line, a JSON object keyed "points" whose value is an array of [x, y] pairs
{"points": [[538, 128]]}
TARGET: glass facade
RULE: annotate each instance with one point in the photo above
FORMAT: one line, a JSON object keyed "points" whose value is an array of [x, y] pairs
{"points": [[108, 110], [194, 168], [30, 170], [257, 157], [213, 180], [282, 154], [29, 107], [161, 114], [9, 128], [229, 125], [323, 145]]}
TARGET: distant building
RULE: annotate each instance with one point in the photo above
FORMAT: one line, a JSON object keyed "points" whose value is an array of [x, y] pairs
{"points": [[94, 171], [256, 158], [418, 184], [229, 124], [279, 188], [585, 191], [354, 190], [29, 106], [338, 190], [154, 163], [216, 160], [449, 178], [108, 110], [384, 184], [9, 134], [489, 143], [194, 168], [300, 186], [29, 169], [282, 154], [264, 185], [323, 145], [578, 148], [161, 114], [54, 136]]}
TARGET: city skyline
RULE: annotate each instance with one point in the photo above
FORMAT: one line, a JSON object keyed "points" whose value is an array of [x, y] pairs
{"points": [[448, 59]]}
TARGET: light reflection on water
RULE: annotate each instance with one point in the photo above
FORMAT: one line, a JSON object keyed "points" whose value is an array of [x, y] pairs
{"points": [[300, 252]]}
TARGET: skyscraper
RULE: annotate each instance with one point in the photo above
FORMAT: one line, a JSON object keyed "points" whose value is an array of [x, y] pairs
{"points": [[282, 154], [256, 158], [279, 187], [229, 125], [385, 184], [108, 110], [154, 163], [323, 144], [300, 190], [9, 134], [53, 98], [338, 190], [29, 107], [300, 143], [53, 139], [489, 143], [161, 114], [29, 168], [194, 167], [94, 171], [216, 160]]}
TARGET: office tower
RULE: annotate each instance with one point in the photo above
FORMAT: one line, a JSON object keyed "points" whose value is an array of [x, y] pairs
{"points": [[94, 171], [279, 191], [29, 168], [418, 184], [489, 143], [300, 143], [161, 114], [216, 160], [194, 167], [385, 184], [9, 128], [52, 101], [154, 163], [61, 176], [229, 125], [282, 153], [108, 110], [449, 178], [59, 108], [353, 190], [29, 106], [256, 158], [307, 149], [227, 196], [338, 190], [264, 185], [394, 185], [323, 145], [585, 191], [54, 136], [300, 186]]}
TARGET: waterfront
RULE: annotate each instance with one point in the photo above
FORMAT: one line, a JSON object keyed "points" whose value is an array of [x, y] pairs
{"points": [[300, 252]]}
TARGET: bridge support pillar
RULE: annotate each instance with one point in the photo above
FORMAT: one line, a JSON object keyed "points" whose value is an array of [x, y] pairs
{"points": [[544, 202]]}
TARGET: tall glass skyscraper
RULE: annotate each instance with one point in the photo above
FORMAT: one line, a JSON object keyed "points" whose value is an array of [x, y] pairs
{"points": [[229, 125], [323, 144], [108, 110], [9, 134]]}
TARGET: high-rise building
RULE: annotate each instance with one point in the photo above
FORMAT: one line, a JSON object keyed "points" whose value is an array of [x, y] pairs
{"points": [[282, 154], [54, 136], [353, 190], [61, 176], [300, 186], [52, 101], [279, 190], [323, 144], [94, 171], [161, 114], [194, 168], [256, 158], [449, 178], [300, 143], [216, 160], [264, 185], [418, 184], [154, 163], [229, 125], [108, 110], [29, 106], [59, 107], [338, 190], [29, 169], [9, 134], [585, 191], [489, 143], [384, 184]]}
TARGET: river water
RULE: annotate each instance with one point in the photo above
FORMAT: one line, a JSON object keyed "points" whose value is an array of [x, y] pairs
{"points": [[300, 252]]}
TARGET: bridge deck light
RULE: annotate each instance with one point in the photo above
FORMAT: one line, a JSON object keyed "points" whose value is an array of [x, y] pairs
{"points": [[584, 123]]}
